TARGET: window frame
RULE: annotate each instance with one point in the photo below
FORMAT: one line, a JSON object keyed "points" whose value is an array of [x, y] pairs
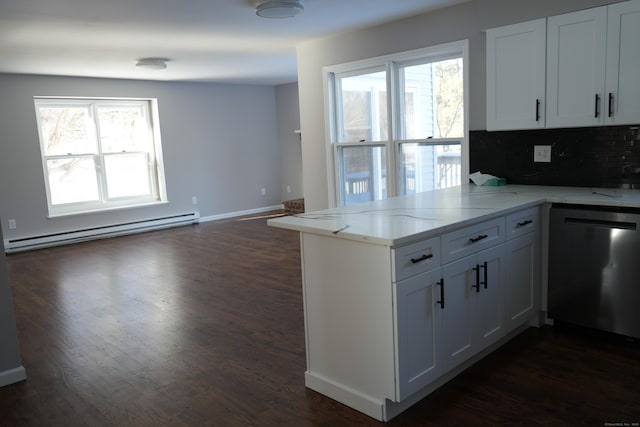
{"points": [[155, 163], [391, 63]]}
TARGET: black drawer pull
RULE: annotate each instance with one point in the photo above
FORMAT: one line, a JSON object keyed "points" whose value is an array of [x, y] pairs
{"points": [[523, 223], [537, 110], [610, 104], [486, 279], [597, 111], [422, 258], [477, 270], [477, 239], [441, 284]]}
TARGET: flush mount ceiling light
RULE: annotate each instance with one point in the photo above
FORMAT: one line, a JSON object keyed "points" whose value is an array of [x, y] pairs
{"points": [[279, 8], [152, 63]]}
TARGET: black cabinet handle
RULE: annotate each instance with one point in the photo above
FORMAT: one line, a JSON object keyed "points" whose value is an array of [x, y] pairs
{"points": [[477, 285], [477, 239], [486, 281], [422, 258], [597, 113], [441, 284], [610, 104], [537, 110], [523, 223]]}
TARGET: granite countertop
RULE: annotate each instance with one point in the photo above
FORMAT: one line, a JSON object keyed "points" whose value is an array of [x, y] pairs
{"points": [[405, 219]]}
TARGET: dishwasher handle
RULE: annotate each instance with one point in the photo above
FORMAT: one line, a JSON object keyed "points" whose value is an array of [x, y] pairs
{"points": [[602, 223]]}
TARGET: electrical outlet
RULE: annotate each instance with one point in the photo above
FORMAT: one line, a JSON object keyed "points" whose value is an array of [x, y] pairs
{"points": [[12, 224], [194, 200], [288, 189], [263, 191], [542, 153]]}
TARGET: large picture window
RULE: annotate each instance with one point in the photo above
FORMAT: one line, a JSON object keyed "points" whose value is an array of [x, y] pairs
{"points": [[99, 154], [397, 124]]}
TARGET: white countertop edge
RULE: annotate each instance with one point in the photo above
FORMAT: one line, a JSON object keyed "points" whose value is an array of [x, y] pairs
{"points": [[405, 240], [525, 197]]}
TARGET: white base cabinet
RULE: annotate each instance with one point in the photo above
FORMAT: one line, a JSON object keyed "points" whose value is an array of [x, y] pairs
{"points": [[523, 266], [418, 314], [386, 326], [523, 278], [474, 304]]}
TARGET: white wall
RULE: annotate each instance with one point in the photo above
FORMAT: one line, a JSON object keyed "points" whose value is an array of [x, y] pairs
{"points": [[220, 143], [464, 21], [290, 146], [11, 369]]}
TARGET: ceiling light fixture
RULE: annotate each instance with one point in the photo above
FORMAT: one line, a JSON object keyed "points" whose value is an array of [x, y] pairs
{"points": [[152, 63], [279, 8]]}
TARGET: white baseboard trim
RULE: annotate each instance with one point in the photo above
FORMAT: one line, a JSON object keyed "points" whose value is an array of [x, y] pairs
{"points": [[12, 376], [99, 232], [339, 392], [63, 238], [241, 213]]}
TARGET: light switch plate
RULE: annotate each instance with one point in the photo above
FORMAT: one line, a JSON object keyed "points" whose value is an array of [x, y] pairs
{"points": [[542, 153]]}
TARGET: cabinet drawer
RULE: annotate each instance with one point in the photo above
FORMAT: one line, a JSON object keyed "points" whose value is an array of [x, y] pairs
{"points": [[522, 222], [416, 258], [469, 240]]}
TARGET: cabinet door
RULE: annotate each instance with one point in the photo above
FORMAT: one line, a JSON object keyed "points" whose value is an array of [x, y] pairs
{"points": [[418, 315], [576, 44], [473, 316], [622, 104], [516, 76], [488, 307], [523, 280], [457, 327]]}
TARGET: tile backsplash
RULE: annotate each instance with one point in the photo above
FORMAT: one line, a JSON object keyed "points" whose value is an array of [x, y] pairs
{"points": [[606, 156]]}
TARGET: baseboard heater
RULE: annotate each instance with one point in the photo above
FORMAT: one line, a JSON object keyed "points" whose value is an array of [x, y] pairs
{"points": [[75, 236]]}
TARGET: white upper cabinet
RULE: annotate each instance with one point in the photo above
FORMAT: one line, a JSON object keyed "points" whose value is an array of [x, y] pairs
{"points": [[576, 54], [516, 76], [589, 61], [622, 103]]}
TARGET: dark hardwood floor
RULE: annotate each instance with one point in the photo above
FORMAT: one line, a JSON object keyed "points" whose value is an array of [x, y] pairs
{"points": [[203, 325]]}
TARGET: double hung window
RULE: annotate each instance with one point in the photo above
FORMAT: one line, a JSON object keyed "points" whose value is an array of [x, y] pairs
{"points": [[397, 124], [99, 154]]}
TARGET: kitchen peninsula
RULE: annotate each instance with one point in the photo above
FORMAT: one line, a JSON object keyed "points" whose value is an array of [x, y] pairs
{"points": [[401, 295]]}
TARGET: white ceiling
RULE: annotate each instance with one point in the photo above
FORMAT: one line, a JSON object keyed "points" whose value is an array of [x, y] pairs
{"points": [[205, 40]]}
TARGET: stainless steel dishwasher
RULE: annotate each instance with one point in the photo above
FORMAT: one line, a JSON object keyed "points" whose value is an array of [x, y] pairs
{"points": [[594, 267]]}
